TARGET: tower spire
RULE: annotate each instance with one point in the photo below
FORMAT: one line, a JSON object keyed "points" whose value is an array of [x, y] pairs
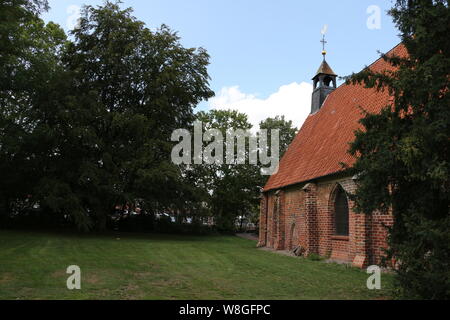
{"points": [[324, 80]]}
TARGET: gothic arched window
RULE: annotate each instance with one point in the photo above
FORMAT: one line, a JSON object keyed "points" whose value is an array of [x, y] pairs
{"points": [[341, 213]]}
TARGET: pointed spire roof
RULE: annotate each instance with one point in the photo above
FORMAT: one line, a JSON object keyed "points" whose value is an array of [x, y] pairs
{"points": [[325, 69]]}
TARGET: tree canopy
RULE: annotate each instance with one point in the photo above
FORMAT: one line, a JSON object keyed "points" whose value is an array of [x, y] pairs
{"points": [[88, 121]]}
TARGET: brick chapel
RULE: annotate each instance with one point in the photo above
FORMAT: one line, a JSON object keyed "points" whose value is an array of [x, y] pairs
{"points": [[306, 204]]}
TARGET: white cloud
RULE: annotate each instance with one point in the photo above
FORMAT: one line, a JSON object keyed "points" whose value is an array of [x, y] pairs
{"points": [[72, 21], [292, 100]]}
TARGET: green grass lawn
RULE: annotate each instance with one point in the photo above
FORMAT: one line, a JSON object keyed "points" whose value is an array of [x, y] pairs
{"points": [[33, 266]]}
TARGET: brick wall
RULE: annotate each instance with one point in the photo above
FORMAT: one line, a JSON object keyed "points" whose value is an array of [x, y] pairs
{"points": [[379, 234], [304, 215], [295, 227], [263, 221]]}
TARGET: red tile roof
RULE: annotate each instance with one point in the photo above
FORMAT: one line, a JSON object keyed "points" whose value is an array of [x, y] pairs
{"points": [[323, 141]]}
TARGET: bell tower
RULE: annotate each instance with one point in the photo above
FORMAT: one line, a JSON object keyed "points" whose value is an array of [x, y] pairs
{"points": [[324, 82]]}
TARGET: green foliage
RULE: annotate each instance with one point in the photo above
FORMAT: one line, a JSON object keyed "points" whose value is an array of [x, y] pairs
{"points": [[85, 125], [29, 75], [403, 161], [230, 190], [146, 85], [287, 131]]}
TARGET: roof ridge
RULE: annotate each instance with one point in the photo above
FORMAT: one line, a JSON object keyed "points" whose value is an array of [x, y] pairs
{"points": [[374, 62]]}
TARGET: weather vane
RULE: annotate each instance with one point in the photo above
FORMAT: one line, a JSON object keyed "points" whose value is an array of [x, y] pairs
{"points": [[324, 42]]}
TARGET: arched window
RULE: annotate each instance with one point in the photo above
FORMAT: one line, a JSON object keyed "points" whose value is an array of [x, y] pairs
{"points": [[341, 213]]}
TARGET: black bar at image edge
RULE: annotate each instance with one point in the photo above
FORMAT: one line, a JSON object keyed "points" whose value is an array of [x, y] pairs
{"points": [[223, 309]]}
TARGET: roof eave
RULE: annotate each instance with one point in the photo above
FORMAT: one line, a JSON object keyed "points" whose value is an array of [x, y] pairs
{"points": [[306, 181]]}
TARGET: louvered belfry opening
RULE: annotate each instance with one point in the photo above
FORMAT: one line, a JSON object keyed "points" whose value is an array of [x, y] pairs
{"points": [[341, 213], [324, 83]]}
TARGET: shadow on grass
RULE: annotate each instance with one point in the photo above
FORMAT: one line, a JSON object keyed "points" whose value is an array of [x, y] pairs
{"points": [[120, 235]]}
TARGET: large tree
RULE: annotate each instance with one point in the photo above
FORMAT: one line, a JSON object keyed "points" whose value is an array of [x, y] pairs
{"points": [[95, 115], [230, 189], [30, 73], [142, 85], [403, 152]]}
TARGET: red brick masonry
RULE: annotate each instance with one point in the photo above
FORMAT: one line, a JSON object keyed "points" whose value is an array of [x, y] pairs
{"points": [[303, 215]]}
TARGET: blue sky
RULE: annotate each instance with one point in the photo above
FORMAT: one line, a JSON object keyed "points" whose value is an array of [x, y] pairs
{"points": [[265, 52]]}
